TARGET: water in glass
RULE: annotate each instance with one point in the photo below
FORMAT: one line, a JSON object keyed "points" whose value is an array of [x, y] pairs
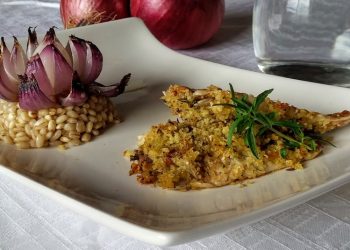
{"points": [[304, 39]]}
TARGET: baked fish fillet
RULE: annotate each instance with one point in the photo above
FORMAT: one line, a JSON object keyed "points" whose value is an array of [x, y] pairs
{"points": [[193, 105], [192, 152]]}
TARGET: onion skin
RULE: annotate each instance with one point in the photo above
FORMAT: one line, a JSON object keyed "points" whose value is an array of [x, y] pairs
{"points": [[180, 24], [32, 42], [77, 94], [36, 69], [111, 90], [82, 12], [76, 47], [8, 66], [6, 81], [6, 93], [18, 58], [51, 39], [94, 62], [31, 97], [58, 71]]}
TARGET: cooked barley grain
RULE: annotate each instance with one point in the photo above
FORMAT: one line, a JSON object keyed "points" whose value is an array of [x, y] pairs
{"points": [[62, 127]]}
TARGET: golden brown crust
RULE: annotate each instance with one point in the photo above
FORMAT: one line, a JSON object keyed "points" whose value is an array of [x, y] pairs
{"points": [[181, 100], [192, 153]]}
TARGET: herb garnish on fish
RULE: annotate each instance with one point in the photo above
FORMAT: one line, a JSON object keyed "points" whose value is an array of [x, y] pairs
{"points": [[251, 123]]}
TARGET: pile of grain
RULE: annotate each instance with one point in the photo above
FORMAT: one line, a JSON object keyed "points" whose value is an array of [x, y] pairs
{"points": [[63, 126]]}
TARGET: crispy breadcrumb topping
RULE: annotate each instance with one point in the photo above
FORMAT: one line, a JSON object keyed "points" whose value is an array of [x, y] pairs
{"points": [[192, 152]]}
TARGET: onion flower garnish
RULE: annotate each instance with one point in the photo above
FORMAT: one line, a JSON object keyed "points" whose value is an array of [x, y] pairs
{"points": [[50, 75]]}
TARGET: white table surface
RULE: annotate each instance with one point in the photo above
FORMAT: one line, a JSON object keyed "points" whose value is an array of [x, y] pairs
{"points": [[31, 221]]}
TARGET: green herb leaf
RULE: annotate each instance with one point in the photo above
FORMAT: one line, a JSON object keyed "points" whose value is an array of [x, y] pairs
{"points": [[263, 119], [232, 130], [241, 104], [245, 98], [251, 141], [283, 153], [248, 116], [287, 123], [310, 142], [318, 137], [313, 145], [260, 99], [271, 116], [262, 131], [243, 125], [291, 144], [232, 93]]}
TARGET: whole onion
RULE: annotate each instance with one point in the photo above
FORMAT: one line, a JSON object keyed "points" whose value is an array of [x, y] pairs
{"points": [[82, 12], [180, 24]]}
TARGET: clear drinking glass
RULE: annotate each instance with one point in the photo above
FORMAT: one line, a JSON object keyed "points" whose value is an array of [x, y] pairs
{"points": [[304, 39]]}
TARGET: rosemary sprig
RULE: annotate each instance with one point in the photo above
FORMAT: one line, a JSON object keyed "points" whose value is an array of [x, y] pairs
{"points": [[249, 119]]}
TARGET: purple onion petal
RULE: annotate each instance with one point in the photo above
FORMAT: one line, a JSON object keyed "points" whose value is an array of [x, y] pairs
{"points": [[17, 58], [6, 93], [77, 49], [32, 42], [51, 39], [94, 62], [8, 82], [35, 67], [77, 94], [59, 72], [50, 36], [111, 90], [31, 97], [8, 66]]}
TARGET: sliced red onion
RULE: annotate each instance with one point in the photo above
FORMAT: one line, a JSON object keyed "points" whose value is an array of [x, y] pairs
{"points": [[77, 94], [47, 78], [111, 90], [8, 66], [58, 71], [94, 62], [32, 42], [31, 97], [3, 97], [51, 39], [77, 49], [35, 67], [6, 93], [18, 58], [8, 82]]}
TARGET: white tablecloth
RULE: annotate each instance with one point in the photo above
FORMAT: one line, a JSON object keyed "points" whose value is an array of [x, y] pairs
{"points": [[31, 221]]}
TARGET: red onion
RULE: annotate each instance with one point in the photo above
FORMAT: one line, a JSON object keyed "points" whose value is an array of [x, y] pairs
{"points": [[31, 97], [6, 93], [53, 75], [180, 24], [111, 90], [6, 81], [32, 42], [58, 71], [82, 12], [18, 57], [9, 64], [36, 68], [77, 94]]}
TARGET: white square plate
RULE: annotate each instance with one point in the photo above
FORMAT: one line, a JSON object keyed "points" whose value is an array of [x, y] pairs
{"points": [[93, 179]]}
